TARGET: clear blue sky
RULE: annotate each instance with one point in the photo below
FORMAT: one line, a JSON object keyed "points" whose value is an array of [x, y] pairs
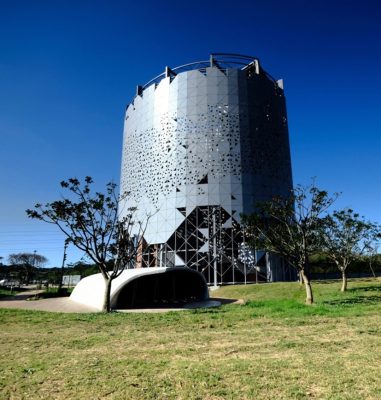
{"points": [[69, 68]]}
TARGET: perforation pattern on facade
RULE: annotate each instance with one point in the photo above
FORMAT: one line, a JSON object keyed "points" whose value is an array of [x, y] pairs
{"points": [[200, 145]]}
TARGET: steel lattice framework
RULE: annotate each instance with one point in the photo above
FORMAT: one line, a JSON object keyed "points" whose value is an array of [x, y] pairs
{"points": [[203, 143]]}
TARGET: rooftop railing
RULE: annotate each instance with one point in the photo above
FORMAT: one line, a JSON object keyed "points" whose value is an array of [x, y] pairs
{"points": [[223, 61]]}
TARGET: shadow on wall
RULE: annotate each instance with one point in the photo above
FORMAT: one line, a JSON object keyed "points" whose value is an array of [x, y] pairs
{"points": [[169, 289]]}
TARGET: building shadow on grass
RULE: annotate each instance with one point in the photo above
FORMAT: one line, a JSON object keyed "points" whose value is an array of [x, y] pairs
{"points": [[372, 288], [338, 279], [365, 300], [19, 297], [22, 294], [326, 281]]}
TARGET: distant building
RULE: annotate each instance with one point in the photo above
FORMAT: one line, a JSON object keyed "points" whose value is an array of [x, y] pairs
{"points": [[203, 143], [70, 280]]}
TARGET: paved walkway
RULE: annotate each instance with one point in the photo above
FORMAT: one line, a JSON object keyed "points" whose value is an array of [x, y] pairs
{"points": [[66, 305], [55, 304], [190, 306]]}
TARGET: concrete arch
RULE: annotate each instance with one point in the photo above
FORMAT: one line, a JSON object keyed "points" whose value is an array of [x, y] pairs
{"points": [[144, 288], [173, 287]]}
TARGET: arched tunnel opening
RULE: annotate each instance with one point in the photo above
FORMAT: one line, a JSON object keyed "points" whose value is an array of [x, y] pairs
{"points": [[168, 289]]}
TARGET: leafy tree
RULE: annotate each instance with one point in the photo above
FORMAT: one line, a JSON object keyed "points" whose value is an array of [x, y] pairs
{"points": [[290, 226], [83, 269], [93, 223], [28, 261], [347, 236]]}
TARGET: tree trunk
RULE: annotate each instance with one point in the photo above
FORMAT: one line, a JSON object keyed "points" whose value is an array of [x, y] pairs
{"points": [[106, 300], [371, 268], [307, 284], [300, 279], [345, 280]]}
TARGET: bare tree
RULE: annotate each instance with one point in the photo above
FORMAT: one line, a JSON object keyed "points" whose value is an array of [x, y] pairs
{"points": [[290, 226], [372, 253], [28, 262], [347, 236], [94, 224]]}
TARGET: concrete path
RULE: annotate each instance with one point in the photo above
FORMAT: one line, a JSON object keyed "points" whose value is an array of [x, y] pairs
{"points": [[56, 304], [190, 306], [66, 305]]}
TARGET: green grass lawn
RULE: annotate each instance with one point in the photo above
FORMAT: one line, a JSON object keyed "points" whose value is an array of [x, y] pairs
{"points": [[271, 347]]}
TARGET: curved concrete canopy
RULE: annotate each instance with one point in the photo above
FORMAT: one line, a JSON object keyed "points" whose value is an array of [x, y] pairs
{"points": [[143, 287]]}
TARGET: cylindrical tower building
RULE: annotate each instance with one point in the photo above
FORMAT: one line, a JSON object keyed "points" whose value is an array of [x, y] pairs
{"points": [[203, 143]]}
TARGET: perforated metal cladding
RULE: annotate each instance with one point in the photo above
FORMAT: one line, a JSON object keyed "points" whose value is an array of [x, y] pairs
{"points": [[204, 139], [181, 152]]}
